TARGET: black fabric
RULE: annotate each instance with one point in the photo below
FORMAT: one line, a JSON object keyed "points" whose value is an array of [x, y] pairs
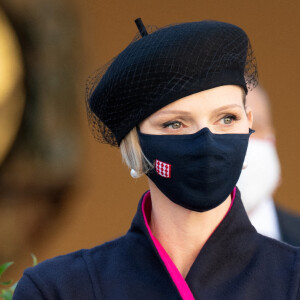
{"points": [[289, 225], [197, 171], [235, 263], [162, 67]]}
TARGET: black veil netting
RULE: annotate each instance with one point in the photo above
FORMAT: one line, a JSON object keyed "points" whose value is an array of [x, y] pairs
{"points": [[161, 66]]}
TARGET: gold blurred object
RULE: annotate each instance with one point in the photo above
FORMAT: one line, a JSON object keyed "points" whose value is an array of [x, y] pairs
{"points": [[12, 95]]}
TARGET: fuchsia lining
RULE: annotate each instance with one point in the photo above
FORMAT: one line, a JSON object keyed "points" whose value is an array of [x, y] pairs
{"points": [[177, 278]]}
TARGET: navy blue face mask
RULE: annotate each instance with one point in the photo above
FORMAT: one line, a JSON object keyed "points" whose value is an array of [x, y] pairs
{"points": [[196, 171]]}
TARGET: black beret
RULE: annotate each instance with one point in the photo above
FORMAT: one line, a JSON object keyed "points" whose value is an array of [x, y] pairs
{"points": [[164, 66]]}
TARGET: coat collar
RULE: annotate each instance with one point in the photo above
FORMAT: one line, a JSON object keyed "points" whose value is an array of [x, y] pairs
{"points": [[228, 249], [233, 241]]}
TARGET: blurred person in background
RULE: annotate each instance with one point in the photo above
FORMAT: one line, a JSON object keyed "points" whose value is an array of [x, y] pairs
{"points": [[262, 176]]}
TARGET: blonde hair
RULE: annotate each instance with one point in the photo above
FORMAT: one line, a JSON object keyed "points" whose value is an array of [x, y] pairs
{"points": [[133, 155]]}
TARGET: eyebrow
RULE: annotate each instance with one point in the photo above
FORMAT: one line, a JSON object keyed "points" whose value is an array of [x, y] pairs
{"points": [[227, 107], [183, 112]]}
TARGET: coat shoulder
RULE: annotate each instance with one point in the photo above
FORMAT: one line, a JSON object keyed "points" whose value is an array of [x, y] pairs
{"points": [[282, 259], [63, 277], [283, 253]]}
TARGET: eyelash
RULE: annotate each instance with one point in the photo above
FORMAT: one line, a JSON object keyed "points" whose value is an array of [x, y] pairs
{"points": [[165, 125]]}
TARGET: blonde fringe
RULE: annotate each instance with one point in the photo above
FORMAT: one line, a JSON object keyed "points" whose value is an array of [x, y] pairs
{"points": [[133, 155]]}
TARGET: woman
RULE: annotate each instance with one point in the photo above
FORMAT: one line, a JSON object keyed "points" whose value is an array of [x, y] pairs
{"points": [[174, 101]]}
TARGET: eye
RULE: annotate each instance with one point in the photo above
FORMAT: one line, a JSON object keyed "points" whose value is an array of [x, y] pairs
{"points": [[227, 120], [173, 125]]}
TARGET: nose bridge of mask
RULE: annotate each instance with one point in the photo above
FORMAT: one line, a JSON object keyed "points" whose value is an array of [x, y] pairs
{"points": [[204, 142]]}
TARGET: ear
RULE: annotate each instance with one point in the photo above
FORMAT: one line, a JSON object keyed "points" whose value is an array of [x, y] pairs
{"points": [[249, 116]]}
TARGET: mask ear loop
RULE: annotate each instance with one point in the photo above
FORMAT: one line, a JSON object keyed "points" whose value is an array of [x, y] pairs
{"points": [[245, 164]]}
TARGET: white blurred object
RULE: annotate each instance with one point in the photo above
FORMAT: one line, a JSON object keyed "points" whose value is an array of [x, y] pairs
{"points": [[264, 219], [259, 181]]}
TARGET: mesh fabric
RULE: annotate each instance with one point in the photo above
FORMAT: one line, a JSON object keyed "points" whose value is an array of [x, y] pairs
{"points": [[164, 66]]}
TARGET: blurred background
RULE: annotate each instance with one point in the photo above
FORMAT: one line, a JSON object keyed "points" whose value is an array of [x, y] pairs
{"points": [[60, 190]]}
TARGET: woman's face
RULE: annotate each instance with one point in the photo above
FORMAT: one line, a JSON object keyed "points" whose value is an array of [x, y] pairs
{"points": [[221, 109]]}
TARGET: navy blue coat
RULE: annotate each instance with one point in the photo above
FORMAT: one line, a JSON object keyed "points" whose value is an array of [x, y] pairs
{"points": [[235, 263]]}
